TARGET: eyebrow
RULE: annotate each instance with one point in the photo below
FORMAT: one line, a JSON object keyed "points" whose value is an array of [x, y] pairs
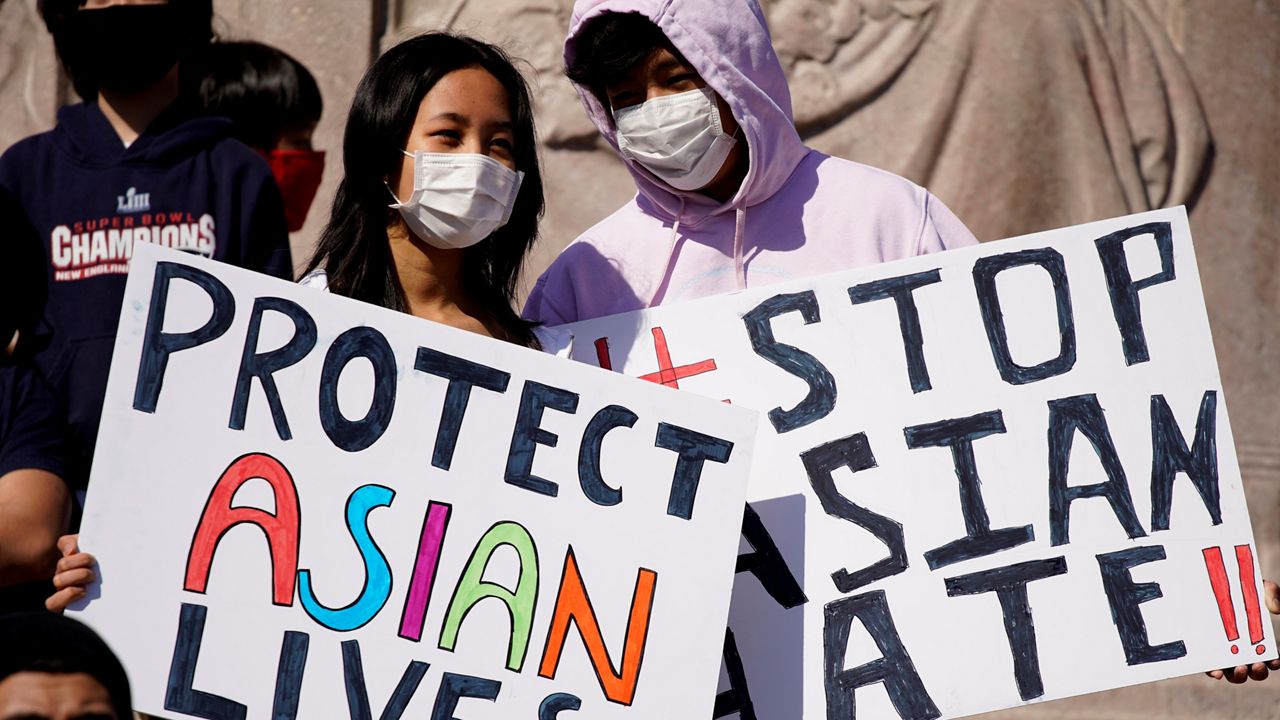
{"points": [[455, 117], [464, 120], [671, 63]]}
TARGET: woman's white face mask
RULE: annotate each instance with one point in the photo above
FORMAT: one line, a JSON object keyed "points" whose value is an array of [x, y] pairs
{"points": [[458, 199], [676, 137]]}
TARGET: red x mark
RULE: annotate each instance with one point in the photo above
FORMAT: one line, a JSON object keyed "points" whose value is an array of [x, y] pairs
{"points": [[667, 374]]}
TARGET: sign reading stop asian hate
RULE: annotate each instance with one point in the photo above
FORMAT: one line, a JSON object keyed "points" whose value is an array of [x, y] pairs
{"points": [[998, 475]]}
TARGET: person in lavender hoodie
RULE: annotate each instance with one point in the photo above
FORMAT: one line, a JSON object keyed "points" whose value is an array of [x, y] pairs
{"points": [[693, 97]]}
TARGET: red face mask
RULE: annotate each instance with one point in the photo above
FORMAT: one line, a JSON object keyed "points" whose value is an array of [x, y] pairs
{"points": [[297, 172]]}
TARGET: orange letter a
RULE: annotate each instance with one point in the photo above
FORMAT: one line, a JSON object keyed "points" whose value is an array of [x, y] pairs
{"points": [[573, 604]]}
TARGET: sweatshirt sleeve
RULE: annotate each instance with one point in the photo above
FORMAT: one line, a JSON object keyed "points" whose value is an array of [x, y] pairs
{"points": [[942, 229], [31, 429], [265, 234]]}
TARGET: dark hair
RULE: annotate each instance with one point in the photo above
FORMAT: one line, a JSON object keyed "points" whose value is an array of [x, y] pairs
{"points": [[353, 249], [264, 91], [609, 45], [45, 642], [196, 30]]}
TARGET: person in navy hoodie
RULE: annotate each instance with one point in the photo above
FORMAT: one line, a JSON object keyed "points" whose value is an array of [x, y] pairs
{"points": [[134, 163]]}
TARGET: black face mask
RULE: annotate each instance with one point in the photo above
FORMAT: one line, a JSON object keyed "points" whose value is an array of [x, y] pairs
{"points": [[125, 48]]}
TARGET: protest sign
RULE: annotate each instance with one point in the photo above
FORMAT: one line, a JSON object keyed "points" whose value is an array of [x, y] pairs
{"points": [[999, 475], [307, 506]]}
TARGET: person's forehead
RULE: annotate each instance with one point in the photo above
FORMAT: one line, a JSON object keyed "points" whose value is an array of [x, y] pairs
{"points": [[660, 62], [468, 91], [52, 694], [95, 4]]}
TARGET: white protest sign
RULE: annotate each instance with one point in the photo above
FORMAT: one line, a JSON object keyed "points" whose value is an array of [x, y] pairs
{"points": [[999, 475], [307, 506]]}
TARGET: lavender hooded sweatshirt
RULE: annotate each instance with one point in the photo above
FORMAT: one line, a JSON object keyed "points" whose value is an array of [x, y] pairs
{"points": [[798, 212]]}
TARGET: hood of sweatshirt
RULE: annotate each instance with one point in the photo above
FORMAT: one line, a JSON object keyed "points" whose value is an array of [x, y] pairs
{"points": [[728, 43], [86, 135], [797, 213]]}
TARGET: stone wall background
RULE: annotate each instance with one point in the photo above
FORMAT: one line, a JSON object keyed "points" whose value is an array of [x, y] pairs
{"points": [[1021, 115]]}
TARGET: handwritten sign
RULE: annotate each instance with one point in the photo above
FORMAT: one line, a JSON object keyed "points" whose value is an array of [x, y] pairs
{"points": [[307, 506], [995, 476]]}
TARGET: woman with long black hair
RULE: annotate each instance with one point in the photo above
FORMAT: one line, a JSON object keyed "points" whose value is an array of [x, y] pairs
{"points": [[442, 194]]}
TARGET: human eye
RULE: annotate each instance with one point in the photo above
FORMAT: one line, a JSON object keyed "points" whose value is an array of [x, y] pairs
{"points": [[502, 148], [683, 80], [446, 135], [624, 97]]}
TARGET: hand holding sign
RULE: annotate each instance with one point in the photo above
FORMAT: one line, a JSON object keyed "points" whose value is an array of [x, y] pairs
{"points": [[73, 573], [1259, 670]]}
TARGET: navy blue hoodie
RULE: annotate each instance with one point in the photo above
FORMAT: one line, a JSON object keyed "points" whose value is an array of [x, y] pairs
{"points": [[183, 183]]}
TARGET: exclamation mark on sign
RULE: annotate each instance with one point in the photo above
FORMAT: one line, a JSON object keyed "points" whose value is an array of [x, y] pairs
{"points": [[1252, 608], [1248, 589]]}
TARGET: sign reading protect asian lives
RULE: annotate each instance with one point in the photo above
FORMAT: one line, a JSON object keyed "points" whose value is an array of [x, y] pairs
{"points": [[307, 506], [994, 476]]}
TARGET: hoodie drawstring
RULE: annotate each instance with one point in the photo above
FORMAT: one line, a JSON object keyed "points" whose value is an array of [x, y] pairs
{"points": [[739, 227], [739, 266], [671, 255]]}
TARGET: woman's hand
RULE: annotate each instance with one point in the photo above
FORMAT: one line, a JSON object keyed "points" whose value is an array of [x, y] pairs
{"points": [[1256, 671], [72, 574]]}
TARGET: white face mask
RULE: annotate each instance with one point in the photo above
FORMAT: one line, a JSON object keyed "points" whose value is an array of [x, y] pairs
{"points": [[676, 137], [458, 198]]}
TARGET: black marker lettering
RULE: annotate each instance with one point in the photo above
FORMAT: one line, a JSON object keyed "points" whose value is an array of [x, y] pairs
{"points": [[693, 450], [1123, 288], [180, 695], [1124, 596], [984, 280], [293, 660], [158, 345], [822, 385], [527, 436], [455, 687], [462, 376], [901, 289], [1170, 456], [893, 668], [356, 435], [980, 540], [593, 484], [1010, 586], [358, 694], [854, 453], [264, 365], [556, 703], [1083, 413]]}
